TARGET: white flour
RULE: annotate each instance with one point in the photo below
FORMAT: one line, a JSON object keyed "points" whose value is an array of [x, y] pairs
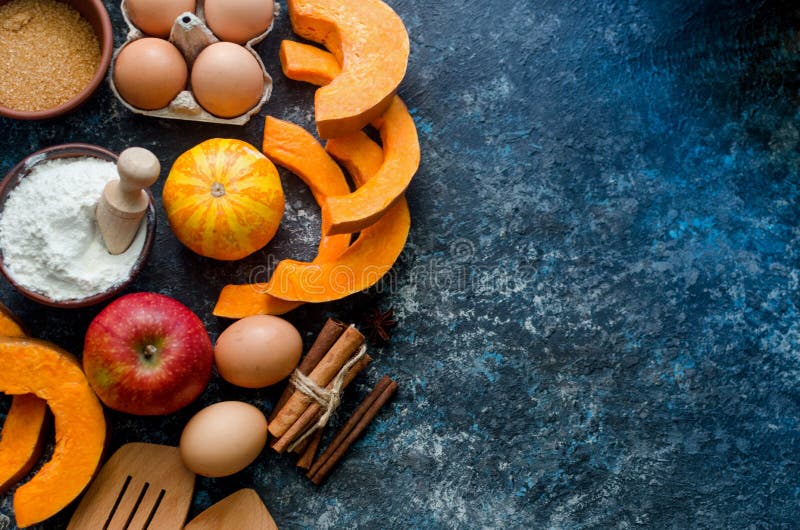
{"points": [[49, 237]]}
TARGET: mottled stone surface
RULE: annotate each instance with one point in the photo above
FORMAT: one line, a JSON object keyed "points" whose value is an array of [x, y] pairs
{"points": [[599, 299]]}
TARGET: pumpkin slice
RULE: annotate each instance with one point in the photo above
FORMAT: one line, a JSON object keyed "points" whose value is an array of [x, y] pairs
{"points": [[367, 260], [9, 325], [358, 154], [36, 367], [371, 43], [292, 147], [360, 209], [239, 301], [23, 439], [24, 430], [303, 62]]}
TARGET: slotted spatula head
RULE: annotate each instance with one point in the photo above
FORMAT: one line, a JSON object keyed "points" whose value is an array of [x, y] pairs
{"points": [[142, 486], [242, 510]]}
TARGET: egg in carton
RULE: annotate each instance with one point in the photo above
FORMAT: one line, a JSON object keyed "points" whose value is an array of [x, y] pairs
{"points": [[191, 34]]}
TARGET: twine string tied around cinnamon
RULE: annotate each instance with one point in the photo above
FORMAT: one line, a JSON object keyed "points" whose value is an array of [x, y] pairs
{"points": [[328, 399]]}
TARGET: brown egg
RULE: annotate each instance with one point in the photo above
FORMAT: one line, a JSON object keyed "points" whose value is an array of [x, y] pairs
{"points": [[149, 73], [227, 80], [258, 351], [156, 17], [239, 20], [223, 438]]}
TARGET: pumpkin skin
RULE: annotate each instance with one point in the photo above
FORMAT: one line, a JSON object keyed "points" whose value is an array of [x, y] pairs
{"points": [[223, 199]]}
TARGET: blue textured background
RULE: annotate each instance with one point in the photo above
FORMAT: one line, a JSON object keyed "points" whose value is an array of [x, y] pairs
{"points": [[599, 300]]}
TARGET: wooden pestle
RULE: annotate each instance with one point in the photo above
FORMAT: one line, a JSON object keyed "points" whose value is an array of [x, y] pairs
{"points": [[124, 202]]}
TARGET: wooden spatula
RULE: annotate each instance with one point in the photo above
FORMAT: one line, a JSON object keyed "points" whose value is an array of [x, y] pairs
{"points": [[242, 510], [142, 486]]}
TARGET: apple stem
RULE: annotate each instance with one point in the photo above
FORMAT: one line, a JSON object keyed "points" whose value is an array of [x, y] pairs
{"points": [[150, 351]]}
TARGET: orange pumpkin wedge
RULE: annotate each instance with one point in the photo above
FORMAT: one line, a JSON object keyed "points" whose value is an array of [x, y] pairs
{"points": [[223, 199], [371, 43], [24, 430], [23, 439], [36, 367], [239, 301], [358, 154], [356, 211], [9, 325], [294, 148], [367, 260], [303, 62]]}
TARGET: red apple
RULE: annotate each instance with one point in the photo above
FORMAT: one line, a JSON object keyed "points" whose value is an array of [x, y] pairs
{"points": [[147, 354]]}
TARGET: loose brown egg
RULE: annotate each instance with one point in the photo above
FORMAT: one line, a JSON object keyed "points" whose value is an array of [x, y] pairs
{"points": [[156, 17], [227, 80], [239, 20], [223, 438], [258, 351], [149, 73]]}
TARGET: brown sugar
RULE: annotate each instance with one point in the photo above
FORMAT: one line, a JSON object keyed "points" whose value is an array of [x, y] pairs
{"points": [[48, 54]]}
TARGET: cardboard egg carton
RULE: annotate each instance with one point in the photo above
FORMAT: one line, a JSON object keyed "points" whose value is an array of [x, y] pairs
{"points": [[190, 34]]}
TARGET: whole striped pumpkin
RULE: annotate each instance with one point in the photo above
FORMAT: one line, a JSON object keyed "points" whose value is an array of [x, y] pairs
{"points": [[223, 199]]}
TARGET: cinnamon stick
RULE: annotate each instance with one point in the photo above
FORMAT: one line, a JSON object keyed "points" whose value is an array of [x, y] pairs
{"points": [[352, 429], [310, 451], [341, 351], [300, 448], [351, 422], [329, 334], [314, 410]]}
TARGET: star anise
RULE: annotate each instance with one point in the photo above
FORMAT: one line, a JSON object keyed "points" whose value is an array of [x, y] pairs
{"points": [[378, 324]]}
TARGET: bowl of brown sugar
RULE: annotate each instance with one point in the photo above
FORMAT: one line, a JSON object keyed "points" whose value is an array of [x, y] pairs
{"points": [[53, 55]]}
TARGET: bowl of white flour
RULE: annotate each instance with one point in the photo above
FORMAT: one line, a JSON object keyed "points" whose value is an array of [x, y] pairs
{"points": [[51, 249]]}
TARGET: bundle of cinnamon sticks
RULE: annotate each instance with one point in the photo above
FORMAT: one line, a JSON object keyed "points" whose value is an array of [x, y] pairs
{"points": [[295, 420]]}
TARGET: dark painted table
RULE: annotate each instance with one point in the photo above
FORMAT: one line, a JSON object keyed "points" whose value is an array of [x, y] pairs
{"points": [[599, 300]]}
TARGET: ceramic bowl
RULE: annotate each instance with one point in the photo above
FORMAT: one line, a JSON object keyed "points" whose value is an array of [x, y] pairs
{"points": [[72, 151], [95, 13]]}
